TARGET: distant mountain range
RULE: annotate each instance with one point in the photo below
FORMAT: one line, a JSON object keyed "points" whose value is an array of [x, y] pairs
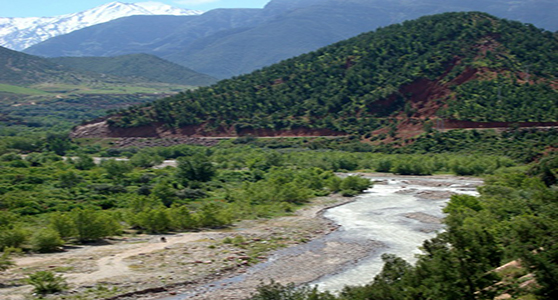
{"points": [[20, 33], [229, 42]]}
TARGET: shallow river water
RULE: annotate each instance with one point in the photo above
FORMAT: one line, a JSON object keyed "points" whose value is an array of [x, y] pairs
{"points": [[395, 216], [398, 212]]}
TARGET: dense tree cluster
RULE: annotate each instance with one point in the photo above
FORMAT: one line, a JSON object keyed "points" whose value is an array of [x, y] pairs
{"points": [[47, 200], [353, 85], [503, 100]]}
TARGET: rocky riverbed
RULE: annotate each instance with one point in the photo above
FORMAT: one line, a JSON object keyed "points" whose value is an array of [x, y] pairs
{"points": [[135, 266], [228, 264]]}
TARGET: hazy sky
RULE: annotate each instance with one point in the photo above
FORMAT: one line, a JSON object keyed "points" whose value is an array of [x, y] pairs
{"points": [[49, 8]]}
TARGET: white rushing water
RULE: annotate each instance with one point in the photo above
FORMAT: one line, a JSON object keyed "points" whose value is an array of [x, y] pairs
{"points": [[397, 215], [383, 214]]}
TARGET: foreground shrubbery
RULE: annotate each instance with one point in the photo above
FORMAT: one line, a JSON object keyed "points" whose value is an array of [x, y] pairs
{"points": [[47, 200], [46, 282], [76, 200]]}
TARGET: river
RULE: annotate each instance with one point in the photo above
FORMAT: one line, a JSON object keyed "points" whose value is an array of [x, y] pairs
{"points": [[400, 213], [395, 216]]}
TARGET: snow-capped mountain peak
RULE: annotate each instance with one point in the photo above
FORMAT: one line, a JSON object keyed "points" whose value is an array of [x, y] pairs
{"points": [[20, 33], [164, 9]]}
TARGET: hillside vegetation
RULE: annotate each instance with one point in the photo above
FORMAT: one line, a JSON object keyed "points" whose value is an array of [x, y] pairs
{"points": [[455, 66], [22, 69]]}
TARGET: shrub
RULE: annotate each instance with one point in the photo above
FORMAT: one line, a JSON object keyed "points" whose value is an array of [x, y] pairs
{"points": [[63, 225], [145, 160], [46, 282], [412, 166], [84, 162], [349, 193], [277, 291], [384, 165], [5, 261], [155, 220], [14, 237], [334, 183], [355, 183], [194, 168], [93, 225], [46, 240], [10, 157]]}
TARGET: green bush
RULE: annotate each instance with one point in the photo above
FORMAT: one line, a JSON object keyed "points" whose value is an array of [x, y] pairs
{"points": [[194, 168], [412, 166], [46, 240], [349, 193], [84, 162], [46, 282], [384, 165], [277, 291], [14, 237], [63, 225], [5, 261], [11, 156], [334, 184], [181, 218], [145, 160], [93, 225], [154, 220], [353, 185]]}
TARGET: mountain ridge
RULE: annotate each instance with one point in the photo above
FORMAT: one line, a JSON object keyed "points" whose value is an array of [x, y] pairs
{"points": [[36, 92], [229, 42], [21, 33]]}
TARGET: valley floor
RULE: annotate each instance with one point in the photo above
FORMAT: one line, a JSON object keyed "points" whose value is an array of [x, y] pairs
{"points": [[143, 264], [201, 265]]}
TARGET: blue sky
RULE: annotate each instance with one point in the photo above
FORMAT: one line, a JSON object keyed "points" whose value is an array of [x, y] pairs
{"points": [[49, 8]]}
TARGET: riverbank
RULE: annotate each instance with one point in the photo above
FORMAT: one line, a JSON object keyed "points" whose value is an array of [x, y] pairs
{"points": [[334, 254], [230, 264], [134, 265]]}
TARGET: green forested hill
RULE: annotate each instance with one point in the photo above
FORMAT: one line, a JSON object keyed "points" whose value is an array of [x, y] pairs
{"points": [[457, 66], [35, 92], [148, 67], [22, 69]]}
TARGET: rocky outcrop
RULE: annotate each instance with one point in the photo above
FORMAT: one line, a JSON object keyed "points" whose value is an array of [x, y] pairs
{"points": [[101, 129]]}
